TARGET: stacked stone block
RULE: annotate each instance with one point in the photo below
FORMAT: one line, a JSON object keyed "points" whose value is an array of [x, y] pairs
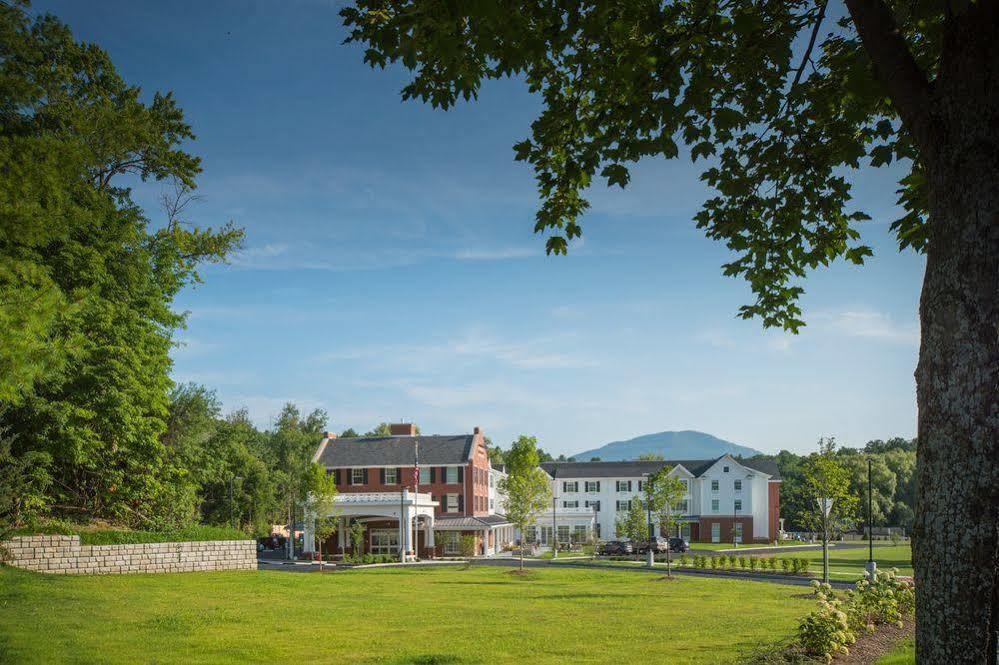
{"points": [[64, 555]]}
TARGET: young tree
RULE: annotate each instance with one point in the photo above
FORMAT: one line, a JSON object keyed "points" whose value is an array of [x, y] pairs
{"points": [[528, 488], [664, 493], [783, 99], [833, 507], [320, 506], [357, 539], [633, 524]]}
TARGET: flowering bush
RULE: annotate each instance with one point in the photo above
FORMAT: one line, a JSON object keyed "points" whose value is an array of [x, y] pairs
{"points": [[826, 631], [883, 600], [835, 624]]}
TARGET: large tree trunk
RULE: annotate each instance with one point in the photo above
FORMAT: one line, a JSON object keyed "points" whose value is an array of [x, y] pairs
{"points": [[956, 539]]}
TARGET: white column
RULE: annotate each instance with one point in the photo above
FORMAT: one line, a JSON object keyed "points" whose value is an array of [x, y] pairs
{"points": [[309, 535], [341, 528], [430, 532]]}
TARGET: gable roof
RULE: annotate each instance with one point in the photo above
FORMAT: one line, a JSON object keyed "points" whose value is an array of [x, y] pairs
{"points": [[637, 468], [395, 450]]}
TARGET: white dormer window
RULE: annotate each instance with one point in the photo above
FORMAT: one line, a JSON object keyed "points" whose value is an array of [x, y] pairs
{"points": [[714, 485], [738, 486]]}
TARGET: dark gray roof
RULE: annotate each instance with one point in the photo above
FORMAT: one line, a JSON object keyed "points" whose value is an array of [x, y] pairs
{"points": [[396, 450], [637, 468]]}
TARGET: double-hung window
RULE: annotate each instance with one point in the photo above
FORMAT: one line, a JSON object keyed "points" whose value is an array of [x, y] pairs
{"points": [[570, 486], [570, 504], [715, 532], [623, 506], [682, 507], [451, 474], [714, 485], [592, 485], [624, 486], [452, 503], [738, 504], [641, 485], [392, 476], [714, 505], [424, 475], [738, 486], [593, 505], [357, 476]]}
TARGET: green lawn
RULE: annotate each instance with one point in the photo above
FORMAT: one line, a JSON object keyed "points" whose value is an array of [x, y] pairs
{"points": [[715, 547], [848, 564], [482, 614], [903, 654]]}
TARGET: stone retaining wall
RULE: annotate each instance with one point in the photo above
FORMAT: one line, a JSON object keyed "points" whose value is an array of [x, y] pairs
{"points": [[65, 555]]}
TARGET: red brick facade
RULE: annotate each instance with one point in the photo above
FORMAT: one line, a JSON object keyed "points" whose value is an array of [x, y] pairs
{"points": [[703, 530], [774, 508]]}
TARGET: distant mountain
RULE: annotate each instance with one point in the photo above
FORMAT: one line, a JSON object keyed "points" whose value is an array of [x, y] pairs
{"points": [[687, 444]]}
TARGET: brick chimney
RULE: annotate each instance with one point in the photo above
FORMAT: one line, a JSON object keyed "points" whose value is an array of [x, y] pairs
{"points": [[477, 430], [329, 435], [402, 429]]}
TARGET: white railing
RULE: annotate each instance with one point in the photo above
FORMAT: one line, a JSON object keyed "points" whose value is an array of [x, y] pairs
{"points": [[350, 498]]}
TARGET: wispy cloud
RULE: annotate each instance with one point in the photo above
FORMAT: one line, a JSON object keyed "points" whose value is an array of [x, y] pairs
{"points": [[868, 323], [497, 253]]}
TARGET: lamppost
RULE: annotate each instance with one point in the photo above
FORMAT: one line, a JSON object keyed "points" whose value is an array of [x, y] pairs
{"points": [[650, 556], [554, 528], [872, 567]]}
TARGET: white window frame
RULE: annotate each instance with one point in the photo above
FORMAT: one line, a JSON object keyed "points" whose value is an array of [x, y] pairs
{"points": [[737, 485], [592, 504], [394, 478], [682, 507], [622, 486], [716, 532], [451, 475], [592, 486], [714, 505], [714, 485], [451, 542], [356, 476], [737, 505], [737, 532], [384, 541], [448, 503], [424, 475], [625, 503], [570, 504], [570, 486]]}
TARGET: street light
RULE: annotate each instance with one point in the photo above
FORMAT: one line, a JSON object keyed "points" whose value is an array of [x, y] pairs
{"points": [[554, 526], [649, 557], [872, 567]]}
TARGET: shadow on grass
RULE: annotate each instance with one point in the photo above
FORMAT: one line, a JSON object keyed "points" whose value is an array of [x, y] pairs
{"points": [[429, 659]]}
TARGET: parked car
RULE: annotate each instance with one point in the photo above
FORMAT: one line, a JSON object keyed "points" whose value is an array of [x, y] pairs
{"points": [[657, 545], [678, 545], [615, 547]]}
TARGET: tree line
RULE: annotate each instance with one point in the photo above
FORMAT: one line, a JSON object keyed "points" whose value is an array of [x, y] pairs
{"points": [[893, 482]]}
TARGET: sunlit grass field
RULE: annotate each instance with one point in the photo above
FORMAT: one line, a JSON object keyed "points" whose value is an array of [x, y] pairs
{"points": [[477, 615]]}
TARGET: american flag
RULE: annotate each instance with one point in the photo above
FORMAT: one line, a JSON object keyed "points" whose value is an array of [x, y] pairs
{"points": [[416, 465]]}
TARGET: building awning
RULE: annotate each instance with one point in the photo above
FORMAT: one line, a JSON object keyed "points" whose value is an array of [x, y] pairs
{"points": [[486, 522]]}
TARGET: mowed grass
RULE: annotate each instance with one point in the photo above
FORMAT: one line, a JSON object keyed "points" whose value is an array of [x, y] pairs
{"points": [[903, 654], [848, 563], [482, 614]]}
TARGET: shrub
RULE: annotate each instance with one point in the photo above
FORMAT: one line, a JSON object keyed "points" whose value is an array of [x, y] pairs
{"points": [[683, 560], [742, 562], [883, 600], [722, 561], [714, 562], [785, 565], [699, 561], [753, 563], [468, 545], [826, 631]]}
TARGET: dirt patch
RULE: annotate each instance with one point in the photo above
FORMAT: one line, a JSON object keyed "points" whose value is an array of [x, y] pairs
{"points": [[518, 572], [871, 647]]}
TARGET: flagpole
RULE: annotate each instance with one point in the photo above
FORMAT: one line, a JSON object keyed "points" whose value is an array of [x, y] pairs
{"points": [[416, 486]]}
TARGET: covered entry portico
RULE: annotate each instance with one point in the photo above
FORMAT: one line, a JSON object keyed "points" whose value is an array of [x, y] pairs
{"points": [[406, 521]]}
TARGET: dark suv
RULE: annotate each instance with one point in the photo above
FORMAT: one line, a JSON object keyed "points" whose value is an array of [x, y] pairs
{"points": [[678, 545], [615, 547]]}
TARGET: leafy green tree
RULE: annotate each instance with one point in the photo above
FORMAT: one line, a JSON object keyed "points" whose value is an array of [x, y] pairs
{"points": [[633, 524], [651, 457], [834, 506], [86, 282], [320, 506], [527, 488], [24, 484], [783, 101], [664, 492], [290, 448], [349, 433]]}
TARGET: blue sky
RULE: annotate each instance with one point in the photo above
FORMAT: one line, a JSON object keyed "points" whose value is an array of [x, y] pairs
{"points": [[391, 271]]}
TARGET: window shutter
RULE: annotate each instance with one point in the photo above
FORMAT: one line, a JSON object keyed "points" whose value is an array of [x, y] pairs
{"points": [[443, 474], [365, 476], [433, 474], [336, 476], [398, 476], [461, 504], [629, 489], [598, 485], [461, 475], [381, 476]]}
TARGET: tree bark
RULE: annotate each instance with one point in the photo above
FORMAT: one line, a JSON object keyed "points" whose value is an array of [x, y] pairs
{"points": [[956, 534]]}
